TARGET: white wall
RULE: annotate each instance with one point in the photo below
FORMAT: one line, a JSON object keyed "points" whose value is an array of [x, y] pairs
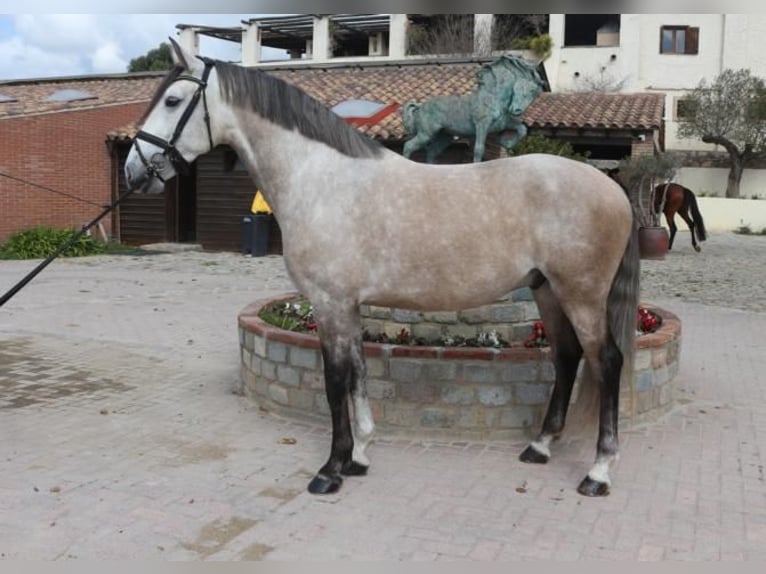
{"points": [[721, 214], [712, 180]]}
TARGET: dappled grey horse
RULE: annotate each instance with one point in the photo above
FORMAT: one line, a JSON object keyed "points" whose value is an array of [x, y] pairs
{"points": [[362, 224]]}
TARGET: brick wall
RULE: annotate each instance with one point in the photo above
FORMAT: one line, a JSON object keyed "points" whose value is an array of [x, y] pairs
{"points": [[65, 151], [465, 392]]}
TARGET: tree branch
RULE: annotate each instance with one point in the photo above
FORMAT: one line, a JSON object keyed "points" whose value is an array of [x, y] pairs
{"points": [[719, 140]]}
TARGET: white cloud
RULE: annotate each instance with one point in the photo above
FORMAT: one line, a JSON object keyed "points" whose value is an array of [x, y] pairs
{"points": [[43, 45], [106, 59]]}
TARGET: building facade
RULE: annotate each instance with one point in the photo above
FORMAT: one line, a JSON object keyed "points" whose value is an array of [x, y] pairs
{"points": [[662, 53]]}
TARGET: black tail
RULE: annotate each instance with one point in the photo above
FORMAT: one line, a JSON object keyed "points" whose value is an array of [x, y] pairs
{"points": [[699, 224]]}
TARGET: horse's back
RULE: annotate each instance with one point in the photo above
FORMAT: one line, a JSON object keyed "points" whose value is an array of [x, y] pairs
{"points": [[478, 230]]}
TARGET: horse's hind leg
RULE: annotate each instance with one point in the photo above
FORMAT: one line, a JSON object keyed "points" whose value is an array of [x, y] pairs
{"points": [[672, 225], [344, 372], [566, 351], [605, 364], [690, 223]]}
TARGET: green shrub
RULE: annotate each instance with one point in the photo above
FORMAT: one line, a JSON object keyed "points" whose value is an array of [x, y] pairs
{"points": [[743, 230], [541, 144], [41, 241]]}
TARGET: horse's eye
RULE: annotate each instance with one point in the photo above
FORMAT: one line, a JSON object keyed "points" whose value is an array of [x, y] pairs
{"points": [[172, 101]]}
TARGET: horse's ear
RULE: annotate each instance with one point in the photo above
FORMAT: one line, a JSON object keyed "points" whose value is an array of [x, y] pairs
{"points": [[180, 56]]}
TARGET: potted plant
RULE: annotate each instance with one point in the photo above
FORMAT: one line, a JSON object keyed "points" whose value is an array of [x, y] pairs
{"points": [[640, 176]]}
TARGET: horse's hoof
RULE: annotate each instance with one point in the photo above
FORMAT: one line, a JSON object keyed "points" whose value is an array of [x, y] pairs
{"points": [[323, 484], [532, 455], [352, 468], [590, 487], [697, 248]]}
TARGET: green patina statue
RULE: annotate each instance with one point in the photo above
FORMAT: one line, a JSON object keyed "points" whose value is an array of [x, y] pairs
{"points": [[506, 87]]}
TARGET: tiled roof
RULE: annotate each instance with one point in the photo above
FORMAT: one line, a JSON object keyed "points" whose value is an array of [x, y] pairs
{"points": [[385, 84], [29, 97], [391, 83], [401, 84], [597, 110]]}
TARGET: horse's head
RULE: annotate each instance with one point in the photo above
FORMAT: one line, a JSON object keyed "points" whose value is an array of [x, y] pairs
{"points": [[176, 128], [525, 90]]}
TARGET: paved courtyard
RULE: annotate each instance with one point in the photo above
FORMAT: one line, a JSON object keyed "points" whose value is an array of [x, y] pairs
{"points": [[124, 434]]}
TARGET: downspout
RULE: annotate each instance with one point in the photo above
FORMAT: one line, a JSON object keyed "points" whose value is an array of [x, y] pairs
{"points": [[723, 43]]}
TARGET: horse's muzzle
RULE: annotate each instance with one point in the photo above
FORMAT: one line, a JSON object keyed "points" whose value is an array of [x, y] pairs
{"points": [[141, 182]]}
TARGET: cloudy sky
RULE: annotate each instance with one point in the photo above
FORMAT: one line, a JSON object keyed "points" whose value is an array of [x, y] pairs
{"points": [[46, 45]]}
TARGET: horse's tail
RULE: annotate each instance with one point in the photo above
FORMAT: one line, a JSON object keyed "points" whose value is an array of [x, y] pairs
{"points": [[408, 117], [699, 224], [622, 306], [622, 309]]}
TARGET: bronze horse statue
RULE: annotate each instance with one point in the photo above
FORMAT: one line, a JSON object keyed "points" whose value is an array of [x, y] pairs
{"points": [[506, 87]]}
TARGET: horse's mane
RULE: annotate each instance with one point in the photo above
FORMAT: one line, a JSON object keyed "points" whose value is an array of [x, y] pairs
{"points": [[291, 108]]}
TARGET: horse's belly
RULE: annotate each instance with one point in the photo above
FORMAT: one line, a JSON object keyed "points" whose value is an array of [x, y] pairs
{"points": [[437, 291]]}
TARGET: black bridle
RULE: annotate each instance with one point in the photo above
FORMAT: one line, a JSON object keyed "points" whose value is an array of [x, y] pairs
{"points": [[170, 152]]}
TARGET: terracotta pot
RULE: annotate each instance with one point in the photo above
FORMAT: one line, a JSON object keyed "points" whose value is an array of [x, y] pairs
{"points": [[653, 242]]}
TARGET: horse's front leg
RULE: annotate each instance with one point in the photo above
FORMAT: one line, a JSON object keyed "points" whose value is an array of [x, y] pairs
{"points": [[478, 146], [509, 142], [344, 371]]}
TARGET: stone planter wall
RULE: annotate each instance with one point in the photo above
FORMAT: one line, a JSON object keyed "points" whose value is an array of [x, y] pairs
{"points": [[466, 392]]}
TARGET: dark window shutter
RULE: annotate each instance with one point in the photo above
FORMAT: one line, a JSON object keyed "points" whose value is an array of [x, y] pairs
{"points": [[692, 41]]}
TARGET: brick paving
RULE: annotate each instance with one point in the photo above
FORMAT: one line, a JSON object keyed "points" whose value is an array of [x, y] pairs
{"points": [[125, 435]]}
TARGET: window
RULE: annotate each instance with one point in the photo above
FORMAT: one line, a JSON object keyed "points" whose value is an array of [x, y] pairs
{"points": [[69, 95], [591, 30], [685, 109], [679, 40]]}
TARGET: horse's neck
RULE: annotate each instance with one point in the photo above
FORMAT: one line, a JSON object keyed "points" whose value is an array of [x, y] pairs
{"points": [[267, 151]]}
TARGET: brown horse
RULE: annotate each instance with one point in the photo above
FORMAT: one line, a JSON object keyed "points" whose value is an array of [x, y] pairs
{"points": [[674, 198]]}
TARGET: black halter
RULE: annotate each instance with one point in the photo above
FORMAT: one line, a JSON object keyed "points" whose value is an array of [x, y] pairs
{"points": [[170, 152]]}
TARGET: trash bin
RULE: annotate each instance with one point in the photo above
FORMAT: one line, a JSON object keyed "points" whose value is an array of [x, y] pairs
{"points": [[255, 234]]}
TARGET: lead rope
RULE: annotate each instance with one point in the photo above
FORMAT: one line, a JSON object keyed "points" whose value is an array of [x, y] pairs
{"points": [[43, 264]]}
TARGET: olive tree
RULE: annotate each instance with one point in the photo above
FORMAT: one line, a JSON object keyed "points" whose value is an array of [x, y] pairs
{"points": [[730, 111]]}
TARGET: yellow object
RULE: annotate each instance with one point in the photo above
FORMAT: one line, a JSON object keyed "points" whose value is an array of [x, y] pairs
{"points": [[259, 204]]}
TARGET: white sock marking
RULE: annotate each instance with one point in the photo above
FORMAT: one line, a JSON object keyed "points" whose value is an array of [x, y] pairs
{"points": [[600, 471], [542, 445], [362, 429]]}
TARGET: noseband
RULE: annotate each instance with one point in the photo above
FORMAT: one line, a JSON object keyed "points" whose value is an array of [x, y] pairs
{"points": [[170, 152]]}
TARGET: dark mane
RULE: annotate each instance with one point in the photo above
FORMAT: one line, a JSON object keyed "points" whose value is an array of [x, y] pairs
{"points": [[169, 78], [291, 108]]}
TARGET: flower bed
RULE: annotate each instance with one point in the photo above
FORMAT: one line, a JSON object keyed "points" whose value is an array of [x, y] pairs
{"points": [[480, 392]]}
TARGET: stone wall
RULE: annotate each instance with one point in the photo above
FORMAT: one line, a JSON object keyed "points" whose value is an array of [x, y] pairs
{"points": [[453, 391]]}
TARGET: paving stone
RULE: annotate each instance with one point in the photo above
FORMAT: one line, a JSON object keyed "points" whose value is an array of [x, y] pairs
{"points": [[130, 439]]}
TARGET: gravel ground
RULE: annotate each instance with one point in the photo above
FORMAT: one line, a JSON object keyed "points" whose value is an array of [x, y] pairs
{"points": [[730, 271]]}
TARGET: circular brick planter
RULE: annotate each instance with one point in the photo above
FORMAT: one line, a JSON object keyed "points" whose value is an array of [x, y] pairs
{"points": [[453, 391]]}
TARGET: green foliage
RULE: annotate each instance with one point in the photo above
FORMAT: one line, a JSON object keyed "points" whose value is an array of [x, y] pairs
{"points": [[743, 230], [541, 45], [639, 175], [541, 144], [636, 170], [41, 241], [293, 315], [730, 111], [154, 60], [731, 107]]}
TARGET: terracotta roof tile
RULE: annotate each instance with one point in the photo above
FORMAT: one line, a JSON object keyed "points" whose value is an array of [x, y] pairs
{"points": [[594, 109], [387, 84], [30, 95]]}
